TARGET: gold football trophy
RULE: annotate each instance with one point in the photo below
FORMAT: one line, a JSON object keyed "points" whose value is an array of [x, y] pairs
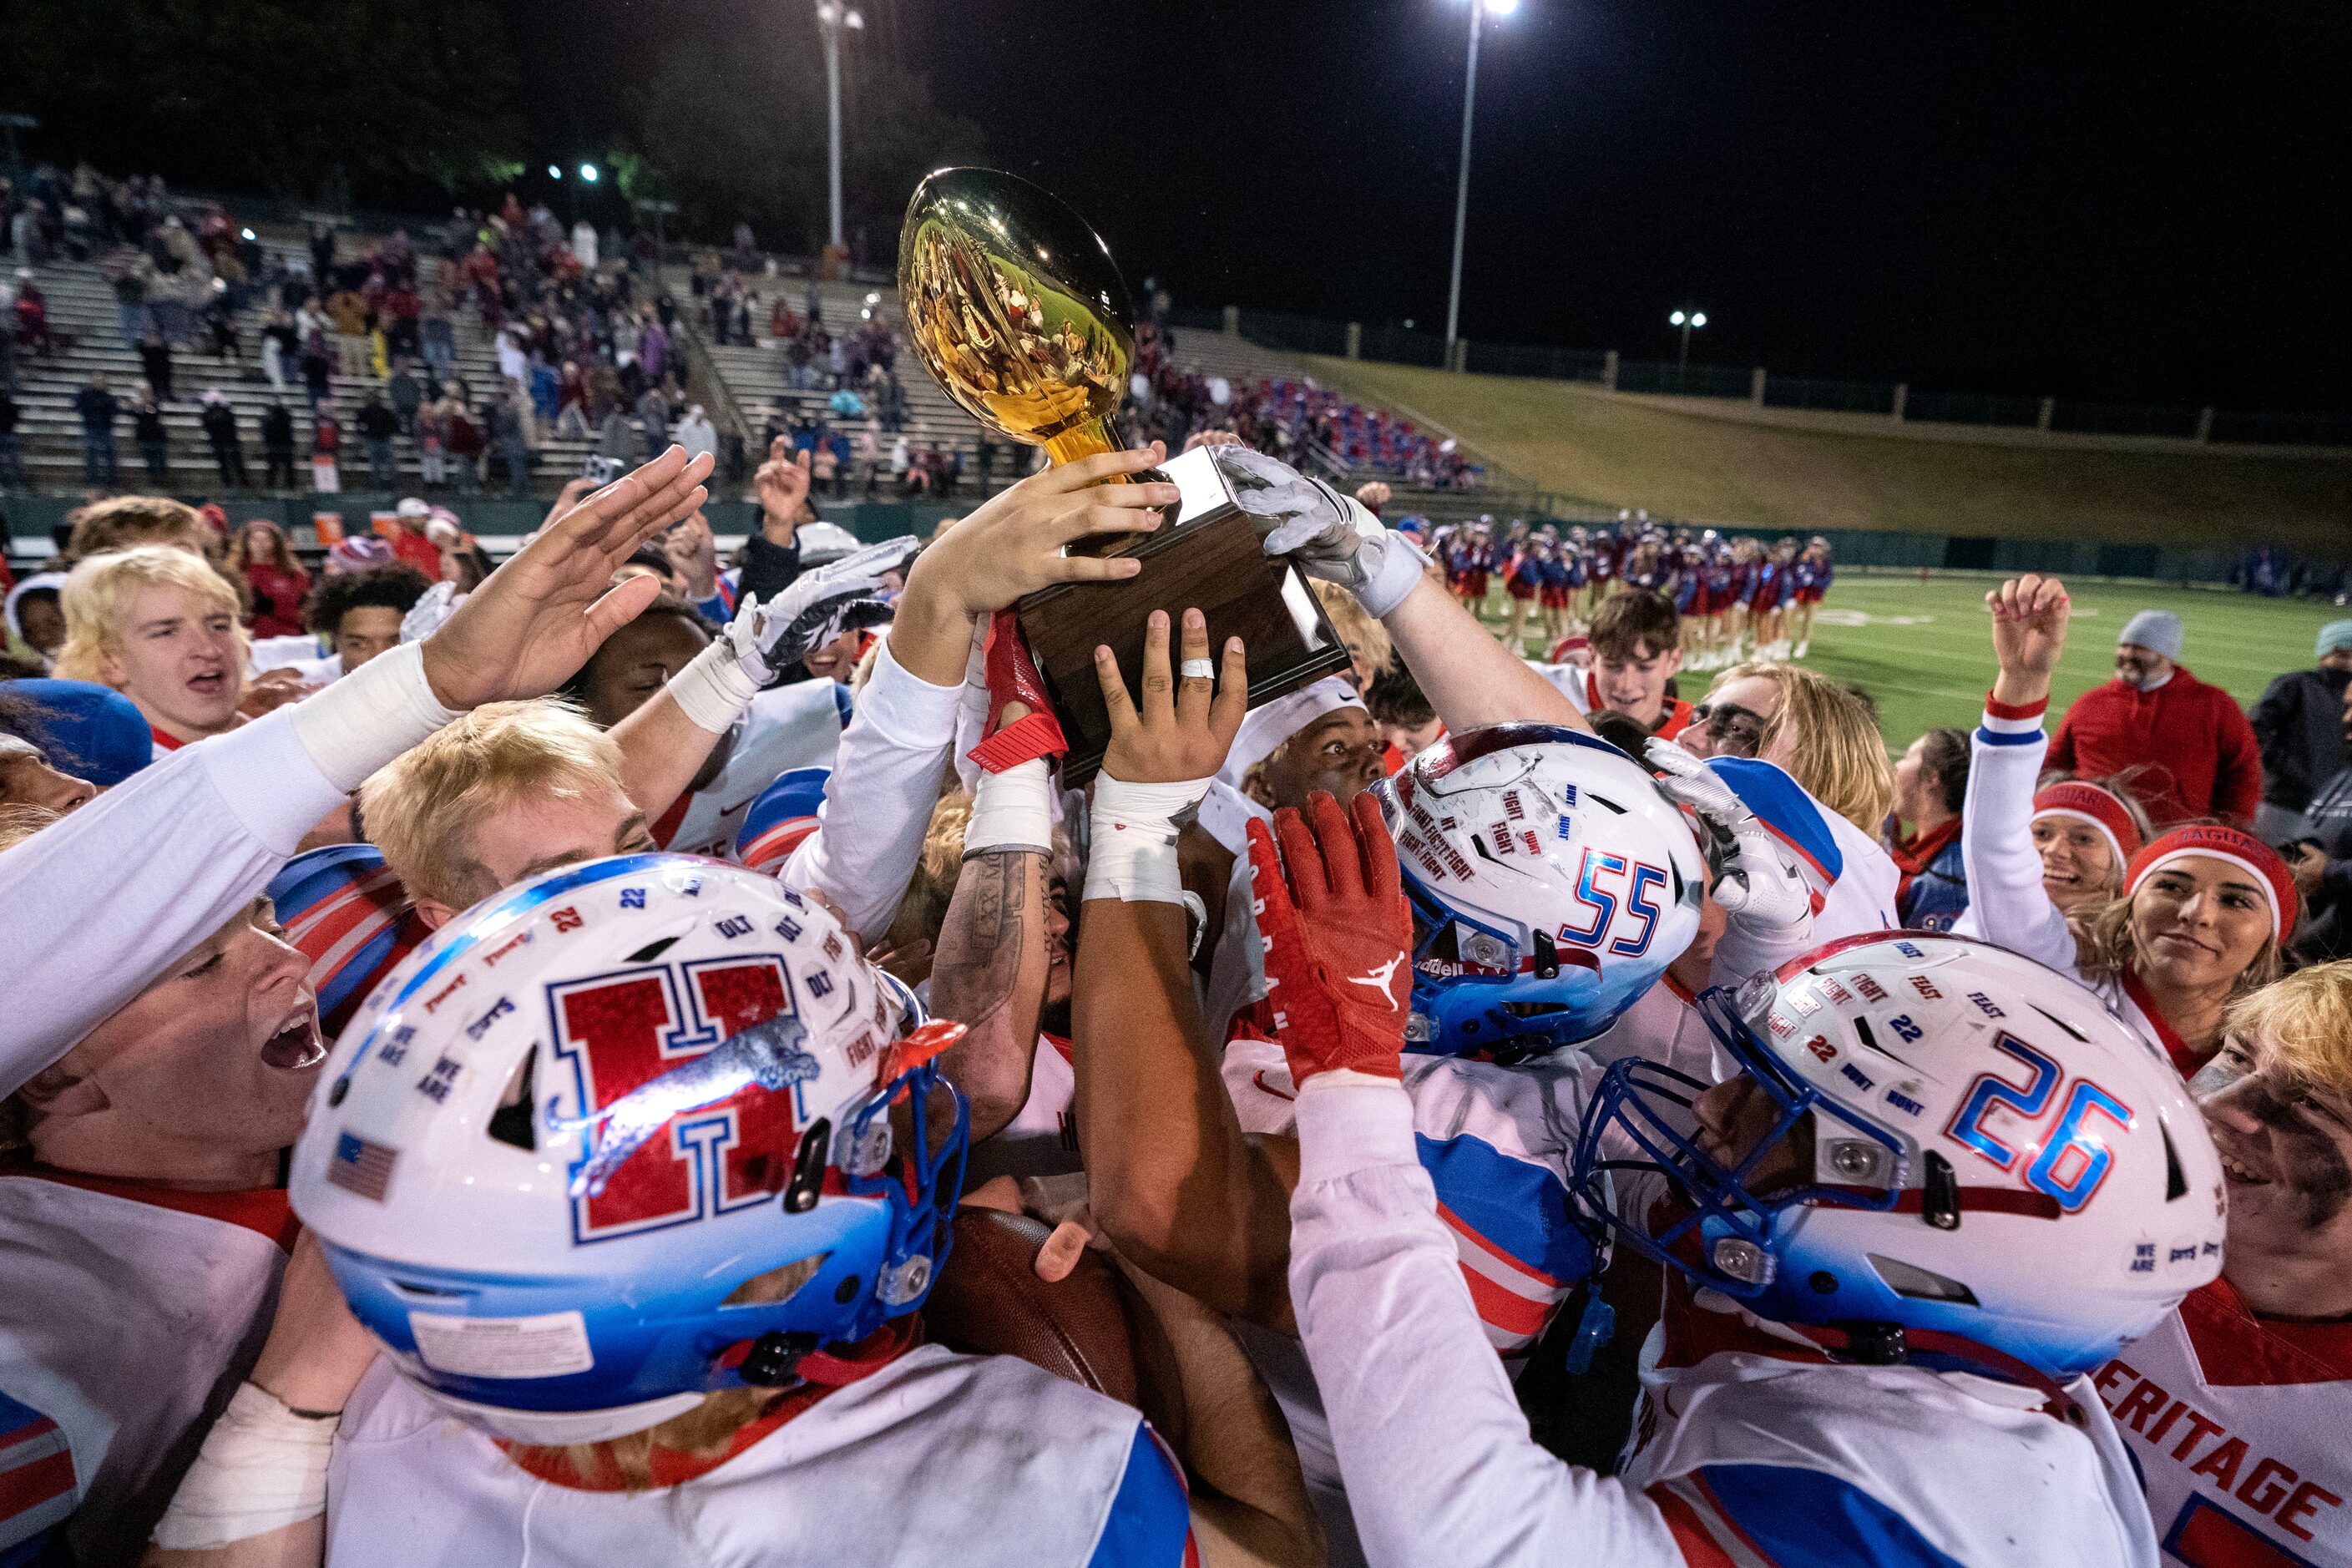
{"points": [[1014, 305]]}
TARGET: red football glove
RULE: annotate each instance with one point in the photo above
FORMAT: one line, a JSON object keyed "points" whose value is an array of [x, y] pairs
{"points": [[1013, 676], [1339, 938]]}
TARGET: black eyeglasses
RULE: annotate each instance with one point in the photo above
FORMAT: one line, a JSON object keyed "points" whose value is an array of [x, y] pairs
{"points": [[1736, 731]]}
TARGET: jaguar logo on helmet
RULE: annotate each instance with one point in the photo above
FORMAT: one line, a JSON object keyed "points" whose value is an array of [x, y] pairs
{"points": [[1552, 884], [654, 1159]]}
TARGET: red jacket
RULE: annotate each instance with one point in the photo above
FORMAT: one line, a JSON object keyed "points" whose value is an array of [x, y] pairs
{"points": [[2191, 740]]}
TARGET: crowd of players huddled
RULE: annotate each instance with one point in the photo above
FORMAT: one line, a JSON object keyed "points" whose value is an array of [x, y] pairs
{"points": [[628, 1057]]}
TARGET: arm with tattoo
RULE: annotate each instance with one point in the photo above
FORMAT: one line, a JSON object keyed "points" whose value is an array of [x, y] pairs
{"points": [[989, 974]]}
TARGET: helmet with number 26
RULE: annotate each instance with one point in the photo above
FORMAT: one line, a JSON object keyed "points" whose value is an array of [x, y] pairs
{"points": [[621, 1136], [1552, 884], [1964, 1161]]}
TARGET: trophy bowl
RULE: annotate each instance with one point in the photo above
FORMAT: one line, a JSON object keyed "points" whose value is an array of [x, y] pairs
{"points": [[1014, 305]]}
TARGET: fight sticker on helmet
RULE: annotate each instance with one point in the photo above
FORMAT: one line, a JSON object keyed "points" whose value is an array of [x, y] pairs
{"points": [[550, 1344]]}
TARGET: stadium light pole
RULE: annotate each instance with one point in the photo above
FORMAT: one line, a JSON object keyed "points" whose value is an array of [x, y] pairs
{"points": [[1687, 320], [831, 19], [1478, 9]]}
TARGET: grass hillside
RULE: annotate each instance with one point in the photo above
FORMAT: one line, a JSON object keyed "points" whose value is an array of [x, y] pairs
{"points": [[1581, 441]]}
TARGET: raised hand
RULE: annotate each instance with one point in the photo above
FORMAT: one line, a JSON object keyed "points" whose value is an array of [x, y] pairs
{"points": [[537, 619], [1374, 494], [1752, 875], [1338, 937], [1179, 731], [693, 553], [2029, 634], [1011, 545], [783, 482]]}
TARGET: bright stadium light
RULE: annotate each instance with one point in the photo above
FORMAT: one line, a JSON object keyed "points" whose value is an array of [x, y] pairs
{"points": [[1478, 10], [588, 173], [554, 173], [248, 235], [1687, 320]]}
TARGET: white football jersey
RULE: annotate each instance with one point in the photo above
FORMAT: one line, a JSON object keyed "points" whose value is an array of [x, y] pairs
{"points": [[125, 1325], [934, 1459], [1774, 1455], [786, 727], [2240, 1426]]}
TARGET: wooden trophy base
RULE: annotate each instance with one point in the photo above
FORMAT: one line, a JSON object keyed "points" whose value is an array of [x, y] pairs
{"points": [[1208, 557]]}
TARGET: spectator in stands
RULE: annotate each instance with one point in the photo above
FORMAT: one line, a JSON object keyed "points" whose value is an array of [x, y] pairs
{"points": [[696, 433], [464, 440], [326, 450], [1931, 783], [219, 420], [2299, 726], [509, 434], [278, 344], [359, 613], [159, 626], [31, 310], [154, 441], [317, 354], [35, 619], [2197, 751], [12, 456], [263, 559], [277, 447], [405, 393], [653, 415], [348, 312], [377, 426], [155, 361], [98, 409]]}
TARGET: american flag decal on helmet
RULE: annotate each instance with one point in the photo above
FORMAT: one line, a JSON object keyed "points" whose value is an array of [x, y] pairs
{"points": [[361, 1167]]}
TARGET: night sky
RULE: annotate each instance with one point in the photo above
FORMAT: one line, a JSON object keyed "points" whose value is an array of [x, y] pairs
{"points": [[2105, 200]]}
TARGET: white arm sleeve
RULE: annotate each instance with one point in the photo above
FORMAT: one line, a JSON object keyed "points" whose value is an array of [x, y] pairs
{"points": [[879, 802], [92, 908], [2006, 902], [1437, 1460]]}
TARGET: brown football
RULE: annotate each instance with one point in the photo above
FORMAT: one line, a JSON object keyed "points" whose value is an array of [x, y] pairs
{"points": [[990, 1301]]}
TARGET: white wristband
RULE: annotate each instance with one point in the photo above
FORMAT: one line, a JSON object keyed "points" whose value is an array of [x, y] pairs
{"points": [[1401, 564], [262, 1467], [712, 691], [370, 716], [1012, 810], [1131, 839]]}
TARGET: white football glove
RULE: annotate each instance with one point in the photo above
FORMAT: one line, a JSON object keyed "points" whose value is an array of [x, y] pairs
{"points": [[1327, 535], [819, 605], [1755, 876]]}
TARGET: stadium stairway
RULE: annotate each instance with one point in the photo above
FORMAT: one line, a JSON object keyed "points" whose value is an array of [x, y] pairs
{"points": [[82, 313]]}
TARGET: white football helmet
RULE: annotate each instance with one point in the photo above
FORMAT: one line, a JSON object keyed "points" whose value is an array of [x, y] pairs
{"points": [[1551, 883], [620, 1136], [2003, 1176]]}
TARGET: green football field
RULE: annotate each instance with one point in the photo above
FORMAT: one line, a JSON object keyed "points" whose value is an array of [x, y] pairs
{"points": [[1925, 649]]}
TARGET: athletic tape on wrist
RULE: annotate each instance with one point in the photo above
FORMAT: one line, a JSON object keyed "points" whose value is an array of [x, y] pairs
{"points": [[1401, 566], [262, 1467], [1131, 847], [712, 691], [1012, 810], [369, 717]]}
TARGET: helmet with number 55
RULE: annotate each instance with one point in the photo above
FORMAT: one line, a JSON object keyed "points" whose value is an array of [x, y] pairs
{"points": [[1933, 1149], [1551, 885], [619, 1137]]}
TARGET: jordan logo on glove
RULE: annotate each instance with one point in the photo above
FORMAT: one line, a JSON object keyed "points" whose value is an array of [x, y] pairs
{"points": [[1331, 910]]}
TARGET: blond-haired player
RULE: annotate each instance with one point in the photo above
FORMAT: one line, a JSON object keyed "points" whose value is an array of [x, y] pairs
{"points": [[160, 627]]}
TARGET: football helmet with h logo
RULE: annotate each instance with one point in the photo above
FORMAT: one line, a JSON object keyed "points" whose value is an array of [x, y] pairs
{"points": [[622, 1136]]}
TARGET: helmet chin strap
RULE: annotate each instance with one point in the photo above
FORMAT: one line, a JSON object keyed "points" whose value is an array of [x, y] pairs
{"points": [[1892, 1345]]}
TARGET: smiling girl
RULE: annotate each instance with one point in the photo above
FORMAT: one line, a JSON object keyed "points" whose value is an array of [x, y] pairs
{"points": [[160, 627], [2170, 932]]}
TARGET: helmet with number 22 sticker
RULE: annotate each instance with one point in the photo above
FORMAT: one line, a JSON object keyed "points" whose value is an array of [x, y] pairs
{"points": [[621, 1136], [1990, 1171]]}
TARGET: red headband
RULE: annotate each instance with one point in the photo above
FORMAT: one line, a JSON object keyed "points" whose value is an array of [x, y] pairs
{"points": [[2099, 807], [2214, 842]]}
